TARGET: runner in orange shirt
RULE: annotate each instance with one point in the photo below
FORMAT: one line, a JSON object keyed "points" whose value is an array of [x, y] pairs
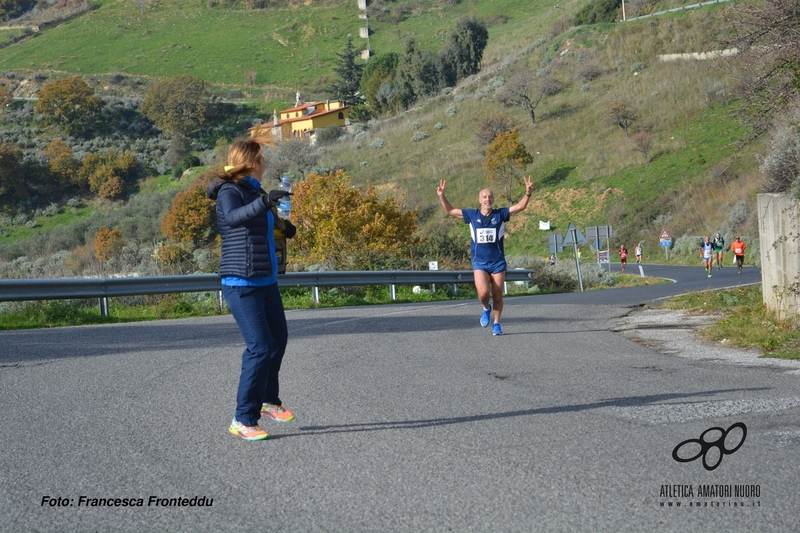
{"points": [[737, 247]]}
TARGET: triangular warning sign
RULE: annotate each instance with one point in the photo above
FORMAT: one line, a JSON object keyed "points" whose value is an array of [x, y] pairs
{"points": [[664, 234], [579, 238]]}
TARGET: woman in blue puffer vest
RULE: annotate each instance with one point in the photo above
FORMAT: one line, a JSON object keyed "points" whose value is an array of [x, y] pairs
{"points": [[249, 276]]}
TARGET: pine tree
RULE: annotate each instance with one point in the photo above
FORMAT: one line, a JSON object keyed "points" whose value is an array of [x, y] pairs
{"points": [[349, 72]]}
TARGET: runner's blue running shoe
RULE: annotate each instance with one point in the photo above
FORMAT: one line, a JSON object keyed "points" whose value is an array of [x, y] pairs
{"points": [[485, 316], [496, 329]]}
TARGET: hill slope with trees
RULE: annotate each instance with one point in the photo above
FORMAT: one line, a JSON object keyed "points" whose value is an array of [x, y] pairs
{"points": [[612, 133]]}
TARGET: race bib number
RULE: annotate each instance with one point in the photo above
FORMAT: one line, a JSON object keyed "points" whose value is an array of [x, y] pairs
{"points": [[738, 250], [485, 235]]}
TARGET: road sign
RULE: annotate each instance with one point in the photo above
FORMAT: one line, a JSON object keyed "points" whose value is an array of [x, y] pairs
{"points": [[555, 242], [578, 239], [598, 232], [602, 256], [666, 242], [665, 236]]}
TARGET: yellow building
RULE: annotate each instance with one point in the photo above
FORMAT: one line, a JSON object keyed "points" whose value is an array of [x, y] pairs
{"points": [[301, 121]]}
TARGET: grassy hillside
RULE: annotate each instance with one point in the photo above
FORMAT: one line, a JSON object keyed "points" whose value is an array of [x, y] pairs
{"points": [[586, 170], [282, 49]]}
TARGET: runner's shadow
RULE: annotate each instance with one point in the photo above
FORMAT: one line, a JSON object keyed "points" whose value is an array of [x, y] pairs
{"points": [[433, 422]]}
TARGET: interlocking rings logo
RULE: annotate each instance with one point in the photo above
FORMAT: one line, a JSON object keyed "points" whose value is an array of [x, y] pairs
{"points": [[707, 446]]}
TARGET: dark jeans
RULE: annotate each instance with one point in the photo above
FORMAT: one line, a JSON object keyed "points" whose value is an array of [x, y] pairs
{"points": [[258, 312]]}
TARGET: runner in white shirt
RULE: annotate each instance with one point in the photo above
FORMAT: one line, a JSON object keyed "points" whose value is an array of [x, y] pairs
{"points": [[707, 253]]}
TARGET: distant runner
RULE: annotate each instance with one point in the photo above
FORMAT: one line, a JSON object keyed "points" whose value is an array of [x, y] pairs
{"points": [[707, 253], [737, 247], [719, 246]]}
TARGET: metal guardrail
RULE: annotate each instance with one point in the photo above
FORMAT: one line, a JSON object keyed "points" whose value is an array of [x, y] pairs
{"points": [[104, 288]]}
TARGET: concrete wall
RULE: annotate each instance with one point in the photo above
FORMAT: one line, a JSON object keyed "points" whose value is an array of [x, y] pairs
{"points": [[779, 238]]}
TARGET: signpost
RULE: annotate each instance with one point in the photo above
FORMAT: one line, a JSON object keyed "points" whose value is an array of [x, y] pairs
{"points": [[575, 237], [666, 242], [598, 233], [433, 265]]}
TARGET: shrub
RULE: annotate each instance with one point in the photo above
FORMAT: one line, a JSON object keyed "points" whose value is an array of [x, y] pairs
{"points": [[439, 126], [111, 188], [597, 11], [419, 136], [688, 244], [488, 128], [637, 66], [588, 72], [328, 135], [107, 243], [377, 142], [782, 165], [451, 111], [188, 161], [561, 278], [358, 127], [415, 125], [552, 86]]}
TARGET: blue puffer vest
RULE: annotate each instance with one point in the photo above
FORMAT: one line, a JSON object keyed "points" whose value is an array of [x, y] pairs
{"points": [[243, 226]]}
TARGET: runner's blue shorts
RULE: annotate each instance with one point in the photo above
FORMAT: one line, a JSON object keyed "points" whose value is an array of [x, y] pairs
{"points": [[495, 267]]}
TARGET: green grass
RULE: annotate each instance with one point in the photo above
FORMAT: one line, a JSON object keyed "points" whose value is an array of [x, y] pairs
{"points": [[10, 33], [66, 216], [286, 48], [710, 137], [167, 183], [745, 321]]}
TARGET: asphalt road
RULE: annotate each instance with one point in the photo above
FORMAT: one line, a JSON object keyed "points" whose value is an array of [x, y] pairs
{"points": [[409, 418]]}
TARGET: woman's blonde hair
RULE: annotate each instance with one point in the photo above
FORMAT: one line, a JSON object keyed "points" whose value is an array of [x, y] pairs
{"points": [[243, 156]]}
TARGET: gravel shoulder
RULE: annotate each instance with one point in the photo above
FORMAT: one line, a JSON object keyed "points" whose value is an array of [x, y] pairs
{"points": [[675, 332]]}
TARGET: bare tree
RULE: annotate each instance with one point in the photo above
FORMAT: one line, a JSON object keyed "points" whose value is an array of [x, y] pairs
{"points": [[522, 90], [621, 114], [767, 38], [291, 155], [490, 127], [643, 143]]}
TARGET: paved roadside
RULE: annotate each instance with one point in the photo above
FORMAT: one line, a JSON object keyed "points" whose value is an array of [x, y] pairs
{"points": [[410, 418]]}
